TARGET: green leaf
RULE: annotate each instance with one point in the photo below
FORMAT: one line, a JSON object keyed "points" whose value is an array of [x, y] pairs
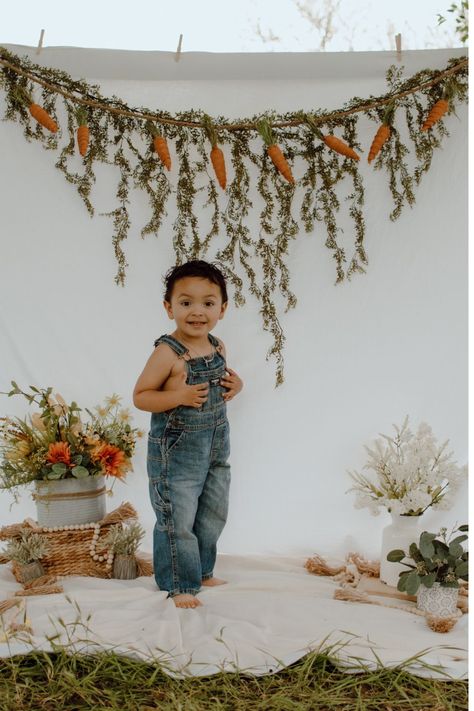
{"points": [[80, 472], [396, 555], [413, 583], [53, 475], [441, 547], [428, 580], [464, 527], [458, 539], [455, 549], [415, 552], [59, 468], [77, 459], [462, 568], [402, 582]]}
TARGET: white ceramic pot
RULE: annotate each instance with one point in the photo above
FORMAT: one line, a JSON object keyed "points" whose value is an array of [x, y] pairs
{"points": [[438, 600], [61, 502], [399, 534]]}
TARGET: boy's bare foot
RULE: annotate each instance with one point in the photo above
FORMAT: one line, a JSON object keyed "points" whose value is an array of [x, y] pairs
{"points": [[186, 600], [210, 582]]}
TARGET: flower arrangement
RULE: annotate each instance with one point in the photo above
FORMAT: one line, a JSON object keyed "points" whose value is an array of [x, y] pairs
{"points": [[55, 443], [412, 473], [436, 559], [28, 548], [122, 540]]}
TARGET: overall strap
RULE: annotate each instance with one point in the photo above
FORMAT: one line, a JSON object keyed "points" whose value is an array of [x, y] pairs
{"points": [[172, 343], [217, 345], [213, 340]]}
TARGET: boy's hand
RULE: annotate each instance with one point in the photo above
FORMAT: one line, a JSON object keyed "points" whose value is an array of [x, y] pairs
{"points": [[193, 395], [233, 384]]}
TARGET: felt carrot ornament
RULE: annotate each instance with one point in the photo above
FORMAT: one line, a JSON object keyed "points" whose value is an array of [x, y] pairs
{"points": [[38, 113], [274, 151], [436, 112], [160, 145], [383, 132], [332, 142], [217, 156], [82, 132]]}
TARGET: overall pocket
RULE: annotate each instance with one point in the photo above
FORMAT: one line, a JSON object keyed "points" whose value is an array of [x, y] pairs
{"points": [[172, 437], [162, 507]]}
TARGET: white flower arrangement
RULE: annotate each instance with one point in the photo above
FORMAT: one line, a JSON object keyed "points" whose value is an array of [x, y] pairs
{"points": [[412, 474]]}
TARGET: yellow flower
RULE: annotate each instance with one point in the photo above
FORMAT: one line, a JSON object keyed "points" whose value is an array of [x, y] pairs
{"points": [[113, 400], [140, 434], [101, 411], [125, 415]]}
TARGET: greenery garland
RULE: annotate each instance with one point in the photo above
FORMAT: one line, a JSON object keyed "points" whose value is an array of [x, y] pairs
{"points": [[122, 136]]}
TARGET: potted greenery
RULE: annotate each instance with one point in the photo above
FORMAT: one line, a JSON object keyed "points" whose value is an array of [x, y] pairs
{"points": [[123, 542], [66, 458], [26, 551], [411, 473], [436, 565]]}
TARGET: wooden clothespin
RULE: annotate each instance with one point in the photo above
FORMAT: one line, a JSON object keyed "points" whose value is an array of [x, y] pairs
{"points": [[398, 44], [40, 43], [178, 51]]}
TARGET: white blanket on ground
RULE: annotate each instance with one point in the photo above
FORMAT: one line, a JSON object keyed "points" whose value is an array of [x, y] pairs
{"points": [[269, 614]]}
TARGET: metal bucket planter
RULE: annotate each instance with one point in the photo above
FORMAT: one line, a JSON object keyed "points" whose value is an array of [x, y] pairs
{"points": [[125, 567], [31, 571], [62, 502], [438, 600]]}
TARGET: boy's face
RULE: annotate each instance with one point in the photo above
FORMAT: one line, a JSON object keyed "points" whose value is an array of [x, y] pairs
{"points": [[196, 306]]}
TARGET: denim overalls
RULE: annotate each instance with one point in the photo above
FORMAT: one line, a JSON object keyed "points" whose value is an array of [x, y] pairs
{"points": [[189, 477]]}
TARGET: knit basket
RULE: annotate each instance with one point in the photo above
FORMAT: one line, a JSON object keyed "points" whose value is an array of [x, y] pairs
{"points": [[69, 551], [70, 501]]}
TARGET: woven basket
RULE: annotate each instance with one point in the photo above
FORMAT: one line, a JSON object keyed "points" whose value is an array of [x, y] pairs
{"points": [[69, 551], [70, 501]]}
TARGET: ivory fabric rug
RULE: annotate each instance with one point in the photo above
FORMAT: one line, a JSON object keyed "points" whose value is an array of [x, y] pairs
{"points": [[270, 613]]}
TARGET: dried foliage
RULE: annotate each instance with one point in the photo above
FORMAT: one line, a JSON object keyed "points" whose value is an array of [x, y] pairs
{"points": [[121, 137]]}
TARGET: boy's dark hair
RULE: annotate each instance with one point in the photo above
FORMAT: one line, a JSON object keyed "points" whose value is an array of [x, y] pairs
{"points": [[194, 268]]}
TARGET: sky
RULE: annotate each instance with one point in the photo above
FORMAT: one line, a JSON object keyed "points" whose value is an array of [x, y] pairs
{"points": [[223, 26]]}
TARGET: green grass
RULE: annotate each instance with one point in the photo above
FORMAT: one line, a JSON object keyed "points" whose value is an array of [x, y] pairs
{"points": [[62, 681]]}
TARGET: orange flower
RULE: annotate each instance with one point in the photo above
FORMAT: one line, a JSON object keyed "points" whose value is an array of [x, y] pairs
{"points": [[59, 452], [111, 459]]}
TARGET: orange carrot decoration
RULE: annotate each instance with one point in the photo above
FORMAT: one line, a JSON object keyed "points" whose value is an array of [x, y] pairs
{"points": [[160, 145], [436, 112], [38, 113], [336, 144], [383, 132], [333, 142], [274, 151], [82, 131], [217, 156]]}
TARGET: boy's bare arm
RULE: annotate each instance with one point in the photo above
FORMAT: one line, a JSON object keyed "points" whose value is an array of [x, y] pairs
{"points": [[147, 394]]}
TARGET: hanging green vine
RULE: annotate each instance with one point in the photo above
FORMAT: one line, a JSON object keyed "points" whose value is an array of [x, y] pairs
{"points": [[123, 137]]}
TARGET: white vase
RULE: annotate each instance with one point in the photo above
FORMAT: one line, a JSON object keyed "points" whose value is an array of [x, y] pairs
{"points": [[62, 502], [399, 534]]}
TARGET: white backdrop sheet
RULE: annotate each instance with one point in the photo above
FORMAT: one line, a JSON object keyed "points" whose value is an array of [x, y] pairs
{"points": [[358, 356]]}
